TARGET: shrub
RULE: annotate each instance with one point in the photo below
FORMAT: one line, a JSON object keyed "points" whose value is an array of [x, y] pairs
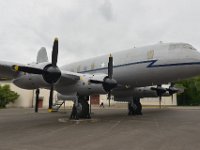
{"points": [[7, 96]]}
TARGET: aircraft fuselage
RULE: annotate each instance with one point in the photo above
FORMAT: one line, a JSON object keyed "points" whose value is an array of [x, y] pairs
{"points": [[150, 65]]}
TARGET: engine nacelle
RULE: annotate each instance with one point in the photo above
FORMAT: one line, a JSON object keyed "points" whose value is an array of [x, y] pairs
{"points": [[146, 92], [66, 97], [85, 87], [31, 81]]}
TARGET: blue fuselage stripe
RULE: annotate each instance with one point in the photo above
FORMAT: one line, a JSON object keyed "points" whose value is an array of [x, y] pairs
{"points": [[150, 65]]}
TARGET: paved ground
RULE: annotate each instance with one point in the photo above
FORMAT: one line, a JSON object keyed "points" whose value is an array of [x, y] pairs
{"points": [[110, 129]]}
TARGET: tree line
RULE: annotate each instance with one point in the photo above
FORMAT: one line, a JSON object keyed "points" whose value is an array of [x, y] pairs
{"points": [[191, 94]]}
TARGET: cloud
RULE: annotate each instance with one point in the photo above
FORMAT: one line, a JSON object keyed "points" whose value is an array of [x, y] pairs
{"points": [[106, 10], [93, 27]]}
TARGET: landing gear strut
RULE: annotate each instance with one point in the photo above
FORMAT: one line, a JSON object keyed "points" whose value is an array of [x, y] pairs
{"points": [[37, 100], [81, 108], [135, 107]]}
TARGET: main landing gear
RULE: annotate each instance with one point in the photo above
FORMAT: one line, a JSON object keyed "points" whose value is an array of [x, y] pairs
{"points": [[135, 107], [81, 108]]}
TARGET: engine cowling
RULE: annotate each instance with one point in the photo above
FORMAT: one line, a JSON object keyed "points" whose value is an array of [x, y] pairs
{"points": [[32, 81], [66, 97], [86, 87]]}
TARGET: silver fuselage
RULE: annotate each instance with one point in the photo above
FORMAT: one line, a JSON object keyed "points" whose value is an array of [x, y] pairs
{"points": [[150, 65]]}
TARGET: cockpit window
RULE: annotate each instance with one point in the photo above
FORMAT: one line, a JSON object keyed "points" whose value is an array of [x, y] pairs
{"points": [[181, 46], [188, 47]]}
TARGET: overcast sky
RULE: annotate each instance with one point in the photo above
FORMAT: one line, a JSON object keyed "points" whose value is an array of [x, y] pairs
{"points": [[87, 28]]}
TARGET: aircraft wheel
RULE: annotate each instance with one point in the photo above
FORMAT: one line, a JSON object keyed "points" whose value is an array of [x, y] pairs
{"points": [[137, 103], [131, 108], [83, 109]]}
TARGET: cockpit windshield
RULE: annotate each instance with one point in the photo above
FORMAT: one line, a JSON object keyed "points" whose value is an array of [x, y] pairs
{"points": [[188, 46], [182, 46]]}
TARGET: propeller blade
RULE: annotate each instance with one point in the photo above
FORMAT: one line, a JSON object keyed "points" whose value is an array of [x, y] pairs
{"points": [[55, 52], [108, 82], [172, 90], [160, 99], [110, 67], [37, 100], [109, 97], [172, 84], [27, 69], [51, 98], [159, 89]]}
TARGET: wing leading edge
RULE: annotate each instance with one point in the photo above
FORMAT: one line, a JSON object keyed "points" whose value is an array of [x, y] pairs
{"points": [[6, 71]]}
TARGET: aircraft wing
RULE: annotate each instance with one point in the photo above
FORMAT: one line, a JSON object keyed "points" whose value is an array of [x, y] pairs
{"points": [[6, 72], [68, 78], [142, 92]]}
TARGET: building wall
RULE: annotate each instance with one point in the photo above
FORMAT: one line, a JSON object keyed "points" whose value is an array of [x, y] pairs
{"points": [[167, 101], [25, 96], [44, 95]]}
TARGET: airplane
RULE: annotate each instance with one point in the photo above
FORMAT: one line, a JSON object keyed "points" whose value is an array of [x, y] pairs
{"points": [[128, 75]]}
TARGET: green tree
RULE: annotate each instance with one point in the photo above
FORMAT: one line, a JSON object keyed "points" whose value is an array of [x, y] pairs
{"points": [[191, 95], [7, 96]]}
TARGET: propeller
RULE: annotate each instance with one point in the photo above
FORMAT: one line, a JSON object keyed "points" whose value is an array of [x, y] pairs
{"points": [[160, 91], [112, 82], [51, 73], [172, 90], [108, 83]]}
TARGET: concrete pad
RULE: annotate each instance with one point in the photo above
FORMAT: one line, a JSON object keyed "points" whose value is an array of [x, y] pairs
{"points": [[165, 129]]}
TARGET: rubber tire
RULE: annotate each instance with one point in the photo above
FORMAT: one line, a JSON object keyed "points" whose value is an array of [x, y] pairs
{"points": [[83, 113]]}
